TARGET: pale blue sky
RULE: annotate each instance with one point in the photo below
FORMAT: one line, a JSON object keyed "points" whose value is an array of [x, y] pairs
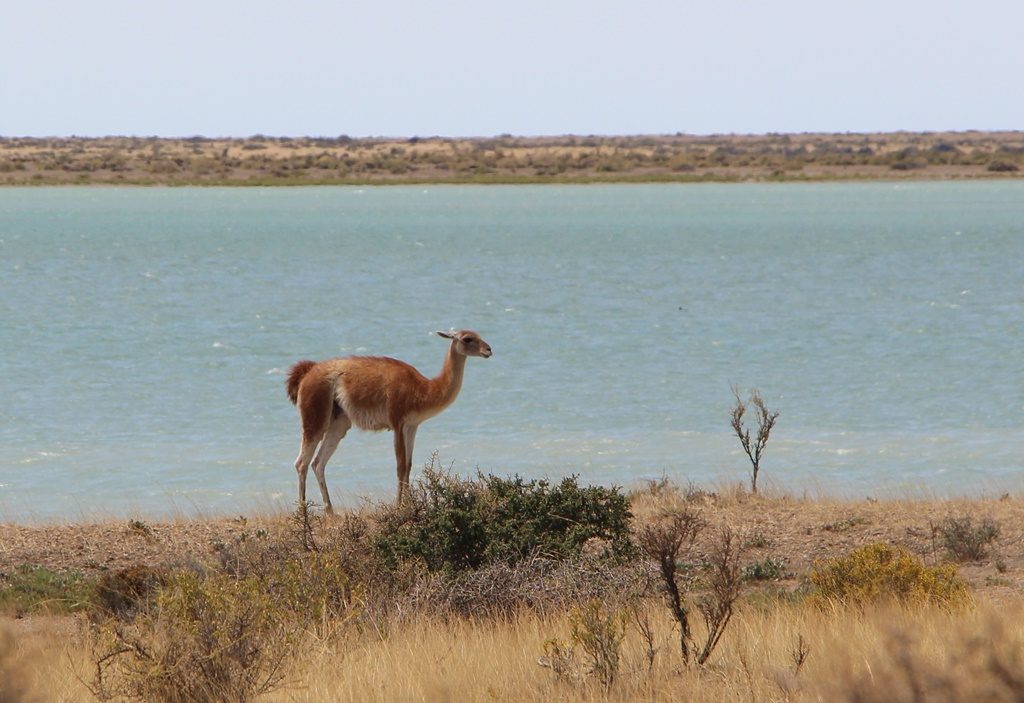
{"points": [[462, 68]]}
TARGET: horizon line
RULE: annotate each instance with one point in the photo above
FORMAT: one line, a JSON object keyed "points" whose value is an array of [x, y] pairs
{"points": [[508, 135]]}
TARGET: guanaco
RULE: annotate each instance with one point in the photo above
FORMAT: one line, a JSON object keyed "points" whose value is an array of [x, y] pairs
{"points": [[373, 393]]}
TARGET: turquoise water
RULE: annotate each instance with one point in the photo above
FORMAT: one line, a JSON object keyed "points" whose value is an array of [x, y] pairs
{"points": [[146, 333]]}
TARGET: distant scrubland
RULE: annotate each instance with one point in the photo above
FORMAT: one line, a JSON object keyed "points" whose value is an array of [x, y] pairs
{"points": [[263, 160]]}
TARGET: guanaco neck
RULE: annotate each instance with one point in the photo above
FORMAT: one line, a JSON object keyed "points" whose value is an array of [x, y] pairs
{"points": [[447, 384]]}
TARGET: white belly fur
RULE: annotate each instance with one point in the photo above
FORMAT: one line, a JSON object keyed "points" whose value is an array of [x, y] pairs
{"points": [[373, 419]]}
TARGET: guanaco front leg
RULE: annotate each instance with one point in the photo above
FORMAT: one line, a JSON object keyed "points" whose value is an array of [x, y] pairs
{"points": [[400, 453]]}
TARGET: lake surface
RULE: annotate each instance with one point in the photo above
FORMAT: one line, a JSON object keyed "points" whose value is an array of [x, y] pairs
{"points": [[145, 335]]}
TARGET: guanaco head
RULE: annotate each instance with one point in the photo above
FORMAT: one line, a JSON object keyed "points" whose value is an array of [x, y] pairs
{"points": [[468, 343]]}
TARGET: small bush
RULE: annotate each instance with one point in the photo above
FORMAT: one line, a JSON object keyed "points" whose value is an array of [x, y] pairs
{"points": [[767, 570], [441, 523], [560, 657], [526, 518], [758, 540], [125, 592], [33, 589], [966, 541], [599, 633], [1002, 167], [880, 572], [907, 165], [227, 634], [845, 524], [316, 593], [207, 639], [453, 524]]}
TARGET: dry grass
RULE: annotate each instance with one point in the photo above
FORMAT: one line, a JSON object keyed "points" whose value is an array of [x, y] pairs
{"points": [[435, 648], [874, 655], [40, 659], [14, 681]]}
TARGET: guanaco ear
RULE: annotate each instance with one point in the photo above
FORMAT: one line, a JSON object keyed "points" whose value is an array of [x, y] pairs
{"points": [[446, 335]]}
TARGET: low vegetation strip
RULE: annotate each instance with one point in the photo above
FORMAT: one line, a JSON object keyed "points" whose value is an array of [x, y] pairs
{"points": [[529, 590], [262, 160]]}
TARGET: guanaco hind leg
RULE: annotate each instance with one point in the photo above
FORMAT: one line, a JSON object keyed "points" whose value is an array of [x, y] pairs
{"points": [[336, 432]]}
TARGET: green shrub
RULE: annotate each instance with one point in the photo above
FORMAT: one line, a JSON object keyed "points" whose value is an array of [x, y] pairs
{"points": [[966, 541], [599, 632], [1002, 167], [440, 523], [768, 570], [32, 589], [880, 572], [455, 524], [525, 518], [907, 165]]}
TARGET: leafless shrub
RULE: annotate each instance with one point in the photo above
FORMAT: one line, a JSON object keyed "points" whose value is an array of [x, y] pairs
{"points": [[646, 630], [753, 446], [664, 541], [801, 650], [303, 521], [673, 539], [724, 582]]}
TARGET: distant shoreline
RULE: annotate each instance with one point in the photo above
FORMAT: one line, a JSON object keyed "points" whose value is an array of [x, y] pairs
{"points": [[309, 161]]}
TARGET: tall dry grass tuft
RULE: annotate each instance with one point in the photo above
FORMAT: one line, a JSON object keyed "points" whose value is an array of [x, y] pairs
{"points": [[207, 639], [15, 683], [938, 657]]}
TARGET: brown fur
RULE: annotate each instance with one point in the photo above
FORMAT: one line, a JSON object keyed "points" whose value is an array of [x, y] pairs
{"points": [[298, 370], [316, 401]]}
